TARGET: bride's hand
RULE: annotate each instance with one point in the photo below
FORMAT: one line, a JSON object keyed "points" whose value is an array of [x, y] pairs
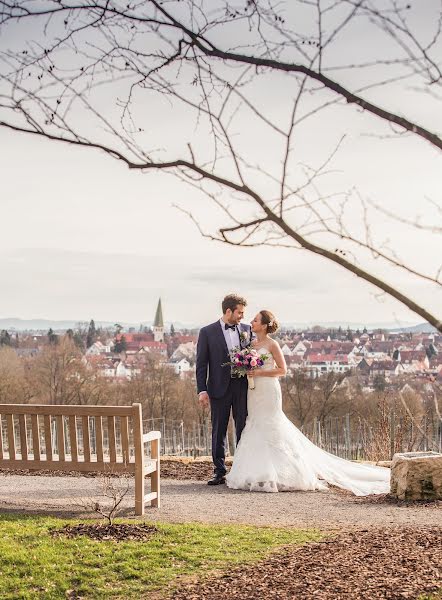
{"points": [[256, 373]]}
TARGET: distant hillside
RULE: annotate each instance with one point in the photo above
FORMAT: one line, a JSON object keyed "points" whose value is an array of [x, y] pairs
{"points": [[353, 325], [44, 324], [14, 324], [421, 328]]}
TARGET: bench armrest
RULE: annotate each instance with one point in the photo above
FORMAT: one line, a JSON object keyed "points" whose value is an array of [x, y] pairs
{"points": [[152, 435]]}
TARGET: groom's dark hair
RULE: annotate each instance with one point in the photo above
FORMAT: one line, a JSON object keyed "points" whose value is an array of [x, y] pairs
{"points": [[231, 301]]}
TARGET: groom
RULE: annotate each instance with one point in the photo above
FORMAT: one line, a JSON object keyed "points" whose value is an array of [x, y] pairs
{"points": [[216, 384]]}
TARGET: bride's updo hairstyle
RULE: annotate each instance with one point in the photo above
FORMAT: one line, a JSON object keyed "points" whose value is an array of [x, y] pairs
{"points": [[268, 318]]}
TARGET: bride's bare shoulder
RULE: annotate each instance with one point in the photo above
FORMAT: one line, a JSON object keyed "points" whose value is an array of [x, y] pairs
{"points": [[274, 345]]}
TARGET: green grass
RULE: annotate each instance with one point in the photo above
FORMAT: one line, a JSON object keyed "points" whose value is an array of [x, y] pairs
{"points": [[35, 565]]}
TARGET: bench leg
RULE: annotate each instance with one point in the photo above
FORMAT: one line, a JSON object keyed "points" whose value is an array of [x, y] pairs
{"points": [[139, 460], [155, 476], [139, 492], [155, 487]]}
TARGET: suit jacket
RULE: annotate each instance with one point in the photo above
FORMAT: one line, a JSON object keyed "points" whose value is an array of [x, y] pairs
{"points": [[211, 353]]}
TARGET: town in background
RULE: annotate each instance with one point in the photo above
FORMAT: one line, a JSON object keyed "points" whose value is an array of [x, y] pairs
{"points": [[362, 394]]}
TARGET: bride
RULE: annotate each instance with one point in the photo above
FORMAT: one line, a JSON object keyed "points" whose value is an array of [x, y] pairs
{"points": [[273, 455]]}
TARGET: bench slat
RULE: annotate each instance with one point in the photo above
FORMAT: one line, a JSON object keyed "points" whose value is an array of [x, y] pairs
{"points": [[124, 429], [112, 439], [99, 438], [11, 436], [23, 439], [35, 437], [73, 438], [86, 439], [48, 437], [60, 438]]}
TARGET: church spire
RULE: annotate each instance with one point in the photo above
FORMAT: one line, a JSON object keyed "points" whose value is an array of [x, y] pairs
{"points": [[158, 324]]}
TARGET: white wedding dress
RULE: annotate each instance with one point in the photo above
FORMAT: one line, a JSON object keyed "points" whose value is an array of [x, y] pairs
{"points": [[274, 456]]}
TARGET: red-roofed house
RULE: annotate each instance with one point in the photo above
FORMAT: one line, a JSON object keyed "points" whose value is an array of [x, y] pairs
{"points": [[318, 364]]}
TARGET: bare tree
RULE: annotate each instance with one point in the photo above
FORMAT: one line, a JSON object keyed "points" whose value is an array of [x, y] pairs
{"points": [[13, 388], [60, 375], [250, 82], [156, 387], [109, 503], [309, 398], [299, 396]]}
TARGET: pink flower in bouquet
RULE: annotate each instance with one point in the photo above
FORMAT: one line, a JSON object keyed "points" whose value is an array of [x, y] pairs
{"points": [[245, 360]]}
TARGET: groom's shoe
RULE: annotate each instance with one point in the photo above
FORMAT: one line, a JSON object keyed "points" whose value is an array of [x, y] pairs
{"points": [[217, 479]]}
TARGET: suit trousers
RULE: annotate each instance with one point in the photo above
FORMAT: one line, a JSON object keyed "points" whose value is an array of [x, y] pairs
{"points": [[235, 400]]}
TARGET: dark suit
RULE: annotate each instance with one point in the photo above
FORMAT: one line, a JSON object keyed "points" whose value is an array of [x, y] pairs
{"points": [[226, 393]]}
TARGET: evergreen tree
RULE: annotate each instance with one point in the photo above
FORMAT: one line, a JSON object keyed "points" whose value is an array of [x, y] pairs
{"points": [[78, 340], [91, 334], [52, 337], [120, 345], [431, 351], [5, 338], [172, 330]]}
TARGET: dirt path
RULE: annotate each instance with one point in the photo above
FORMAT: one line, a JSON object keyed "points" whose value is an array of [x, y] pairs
{"points": [[196, 501]]}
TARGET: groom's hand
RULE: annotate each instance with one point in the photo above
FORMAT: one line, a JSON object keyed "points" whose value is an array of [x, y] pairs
{"points": [[204, 399]]}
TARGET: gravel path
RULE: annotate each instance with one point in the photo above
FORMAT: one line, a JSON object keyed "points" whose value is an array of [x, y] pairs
{"points": [[196, 501]]}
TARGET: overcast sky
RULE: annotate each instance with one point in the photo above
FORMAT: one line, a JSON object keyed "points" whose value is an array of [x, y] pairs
{"points": [[82, 237]]}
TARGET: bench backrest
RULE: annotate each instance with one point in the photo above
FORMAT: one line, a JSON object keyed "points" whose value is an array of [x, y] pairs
{"points": [[80, 438]]}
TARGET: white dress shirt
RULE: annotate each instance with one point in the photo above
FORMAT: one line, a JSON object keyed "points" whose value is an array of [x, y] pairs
{"points": [[231, 336]]}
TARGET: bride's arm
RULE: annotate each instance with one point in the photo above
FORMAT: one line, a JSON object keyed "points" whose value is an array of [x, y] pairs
{"points": [[281, 367]]}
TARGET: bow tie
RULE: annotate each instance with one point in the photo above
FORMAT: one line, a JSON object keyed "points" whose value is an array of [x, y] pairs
{"points": [[226, 326]]}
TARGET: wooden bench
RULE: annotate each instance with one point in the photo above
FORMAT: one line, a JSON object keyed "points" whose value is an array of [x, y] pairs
{"points": [[105, 439]]}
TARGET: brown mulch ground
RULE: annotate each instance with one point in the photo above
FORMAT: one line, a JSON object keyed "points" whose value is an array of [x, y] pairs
{"points": [[199, 471], [117, 532], [392, 501], [392, 564], [170, 469]]}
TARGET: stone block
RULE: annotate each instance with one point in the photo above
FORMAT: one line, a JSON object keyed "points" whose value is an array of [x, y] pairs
{"points": [[417, 476]]}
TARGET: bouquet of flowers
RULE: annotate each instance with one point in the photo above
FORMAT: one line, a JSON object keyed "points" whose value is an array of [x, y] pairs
{"points": [[244, 361]]}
